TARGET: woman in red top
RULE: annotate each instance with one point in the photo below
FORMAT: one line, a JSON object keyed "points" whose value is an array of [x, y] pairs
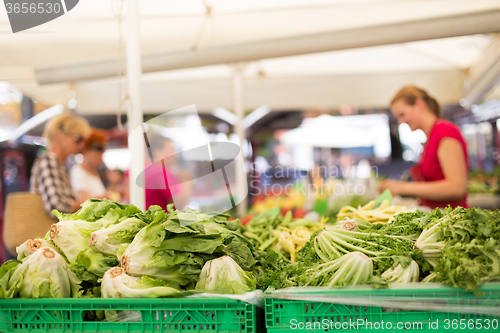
{"points": [[440, 176]]}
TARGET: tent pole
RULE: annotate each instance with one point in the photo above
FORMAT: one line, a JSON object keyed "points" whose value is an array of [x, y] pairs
{"points": [[135, 115], [240, 131]]}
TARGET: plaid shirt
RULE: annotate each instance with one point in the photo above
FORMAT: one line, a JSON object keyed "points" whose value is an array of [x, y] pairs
{"points": [[53, 183]]}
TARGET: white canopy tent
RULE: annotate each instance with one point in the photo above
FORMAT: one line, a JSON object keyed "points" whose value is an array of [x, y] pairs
{"points": [[362, 51]]}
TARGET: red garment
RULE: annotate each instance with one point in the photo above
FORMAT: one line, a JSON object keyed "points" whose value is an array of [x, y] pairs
{"points": [[158, 189], [428, 168]]}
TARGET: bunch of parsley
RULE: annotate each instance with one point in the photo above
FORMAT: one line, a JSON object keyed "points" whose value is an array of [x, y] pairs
{"points": [[471, 252]]}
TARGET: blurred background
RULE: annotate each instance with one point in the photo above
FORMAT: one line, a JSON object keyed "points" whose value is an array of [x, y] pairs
{"points": [[302, 86]]}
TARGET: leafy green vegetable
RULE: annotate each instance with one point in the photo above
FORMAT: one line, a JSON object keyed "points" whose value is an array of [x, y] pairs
{"points": [[357, 235], [117, 284], [154, 213], [31, 245], [407, 226], [463, 245], [176, 253], [429, 278], [6, 271], [91, 265], [402, 275], [428, 241], [146, 256], [95, 209], [349, 270], [273, 270], [114, 239], [44, 274], [224, 276], [307, 253], [72, 238]]}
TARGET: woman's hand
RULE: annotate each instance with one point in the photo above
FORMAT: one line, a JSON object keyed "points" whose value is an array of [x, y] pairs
{"points": [[396, 187]]}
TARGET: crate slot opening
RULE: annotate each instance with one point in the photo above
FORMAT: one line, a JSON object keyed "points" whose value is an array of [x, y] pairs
{"points": [[112, 316]]}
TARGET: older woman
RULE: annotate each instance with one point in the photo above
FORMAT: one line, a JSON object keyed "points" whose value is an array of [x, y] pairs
{"points": [[85, 177], [65, 135]]}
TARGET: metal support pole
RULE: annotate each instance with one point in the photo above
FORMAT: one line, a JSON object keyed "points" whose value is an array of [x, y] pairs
{"points": [[496, 142], [135, 116], [240, 131]]}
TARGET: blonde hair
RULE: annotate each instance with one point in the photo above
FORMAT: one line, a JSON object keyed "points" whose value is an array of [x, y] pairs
{"points": [[68, 124], [410, 93]]}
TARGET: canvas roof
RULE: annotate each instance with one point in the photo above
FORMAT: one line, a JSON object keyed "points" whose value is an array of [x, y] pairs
{"points": [[298, 54]]}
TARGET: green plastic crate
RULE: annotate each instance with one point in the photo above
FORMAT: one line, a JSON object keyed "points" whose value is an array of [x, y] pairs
{"points": [[285, 315], [156, 315]]}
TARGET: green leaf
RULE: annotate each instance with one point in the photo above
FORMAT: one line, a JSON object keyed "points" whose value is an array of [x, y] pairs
{"points": [[378, 282], [320, 206], [117, 284], [147, 282], [193, 243], [174, 226], [241, 253], [91, 265], [386, 195], [94, 209], [6, 271]]}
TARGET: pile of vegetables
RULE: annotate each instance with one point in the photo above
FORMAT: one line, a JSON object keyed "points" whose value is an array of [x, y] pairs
{"points": [[282, 234], [111, 250], [462, 246], [348, 270], [385, 245], [459, 247]]}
